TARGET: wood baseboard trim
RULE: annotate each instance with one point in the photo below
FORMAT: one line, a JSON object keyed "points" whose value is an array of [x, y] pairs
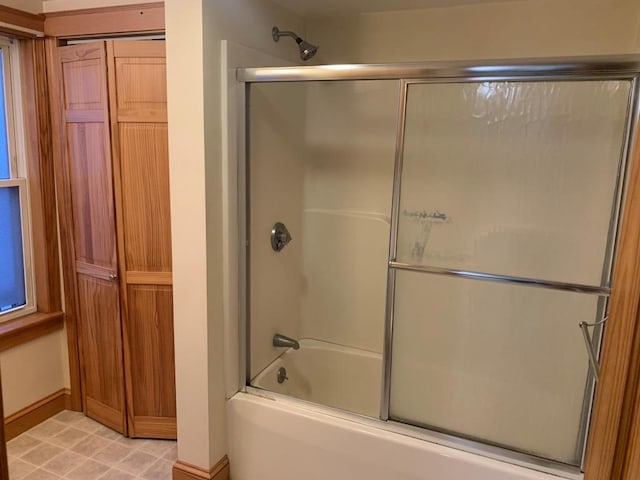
{"points": [[184, 471], [30, 416]]}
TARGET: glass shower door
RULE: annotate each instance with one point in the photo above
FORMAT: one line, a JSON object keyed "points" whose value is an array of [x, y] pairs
{"points": [[509, 193], [320, 162]]}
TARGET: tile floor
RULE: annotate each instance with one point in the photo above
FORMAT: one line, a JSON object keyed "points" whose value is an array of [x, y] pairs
{"points": [[71, 446]]}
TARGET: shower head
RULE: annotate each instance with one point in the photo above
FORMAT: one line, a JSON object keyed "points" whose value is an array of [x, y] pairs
{"points": [[307, 50]]}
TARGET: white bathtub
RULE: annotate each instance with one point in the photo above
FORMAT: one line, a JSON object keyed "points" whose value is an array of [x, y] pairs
{"points": [[275, 437], [328, 374]]}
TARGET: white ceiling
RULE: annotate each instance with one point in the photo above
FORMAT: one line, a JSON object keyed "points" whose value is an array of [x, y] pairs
{"points": [[331, 8]]}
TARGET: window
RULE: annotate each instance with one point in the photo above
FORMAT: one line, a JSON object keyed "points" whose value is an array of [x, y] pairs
{"points": [[16, 276]]}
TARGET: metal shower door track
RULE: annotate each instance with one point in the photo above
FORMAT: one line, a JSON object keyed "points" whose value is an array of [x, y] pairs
{"points": [[588, 67]]}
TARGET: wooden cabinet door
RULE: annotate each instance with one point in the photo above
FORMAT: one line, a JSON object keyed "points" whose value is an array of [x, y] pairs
{"points": [[137, 81], [87, 158]]}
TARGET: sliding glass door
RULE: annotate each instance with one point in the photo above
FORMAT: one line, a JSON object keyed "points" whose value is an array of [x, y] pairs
{"points": [[506, 212]]}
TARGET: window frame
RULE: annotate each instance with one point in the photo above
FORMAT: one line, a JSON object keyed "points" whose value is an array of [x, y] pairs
{"points": [[18, 170]]}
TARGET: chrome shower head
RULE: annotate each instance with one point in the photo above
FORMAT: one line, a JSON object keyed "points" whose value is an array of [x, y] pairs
{"points": [[307, 50]]}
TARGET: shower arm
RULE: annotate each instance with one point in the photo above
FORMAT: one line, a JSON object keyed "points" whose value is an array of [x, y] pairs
{"points": [[276, 34], [307, 50]]}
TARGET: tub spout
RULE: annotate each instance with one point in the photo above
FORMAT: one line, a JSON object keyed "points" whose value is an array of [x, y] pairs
{"points": [[282, 341]]}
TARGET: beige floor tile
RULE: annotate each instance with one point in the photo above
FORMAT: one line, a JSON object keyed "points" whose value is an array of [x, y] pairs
{"points": [[41, 475], [41, 454], [68, 438], [87, 471], [172, 454], [161, 470], [86, 424], [21, 445], [106, 432], [130, 442], [136, 463], [157, 448], [47, 429], [113, 453], [91, 445], [71, 446], [114, 474], [67, 416], [19, 469], [63, 463]]}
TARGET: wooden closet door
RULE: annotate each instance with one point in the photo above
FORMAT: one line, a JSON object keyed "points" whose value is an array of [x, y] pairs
{"points": [[90, 183], [137, 77]]}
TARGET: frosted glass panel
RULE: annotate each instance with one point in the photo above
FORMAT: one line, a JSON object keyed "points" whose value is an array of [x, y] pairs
{"points": [[12, 288], [513, 178], [500, 363]]}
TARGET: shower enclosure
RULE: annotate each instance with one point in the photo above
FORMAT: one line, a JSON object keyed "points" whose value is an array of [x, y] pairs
{"points": [[450, 228]]}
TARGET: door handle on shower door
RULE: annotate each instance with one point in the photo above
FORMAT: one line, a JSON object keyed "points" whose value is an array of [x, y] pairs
{"points": [[588, 343]]}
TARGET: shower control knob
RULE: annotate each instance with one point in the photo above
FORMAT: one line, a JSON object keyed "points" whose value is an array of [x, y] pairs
{"points": [[282, 375], [280, 236]]}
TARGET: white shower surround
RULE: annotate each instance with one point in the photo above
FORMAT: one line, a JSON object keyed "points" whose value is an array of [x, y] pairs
{"points": [[273, 437]]}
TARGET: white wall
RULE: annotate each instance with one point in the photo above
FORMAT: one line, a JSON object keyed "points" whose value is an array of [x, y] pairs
{"points": [[528, 28], [185, 91], [33, 370], [194, 30]]}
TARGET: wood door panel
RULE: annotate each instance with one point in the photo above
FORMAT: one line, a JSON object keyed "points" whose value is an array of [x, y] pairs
{"points": [[111, 417], [83, 87], [144, 170], [137, 74], [101, 346], [89, 186], [155, 427], [142, 89], [149, 278], [94, 271], [91, 194], [87, 51], [149, 327], [84, 116], [144, 49]]}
